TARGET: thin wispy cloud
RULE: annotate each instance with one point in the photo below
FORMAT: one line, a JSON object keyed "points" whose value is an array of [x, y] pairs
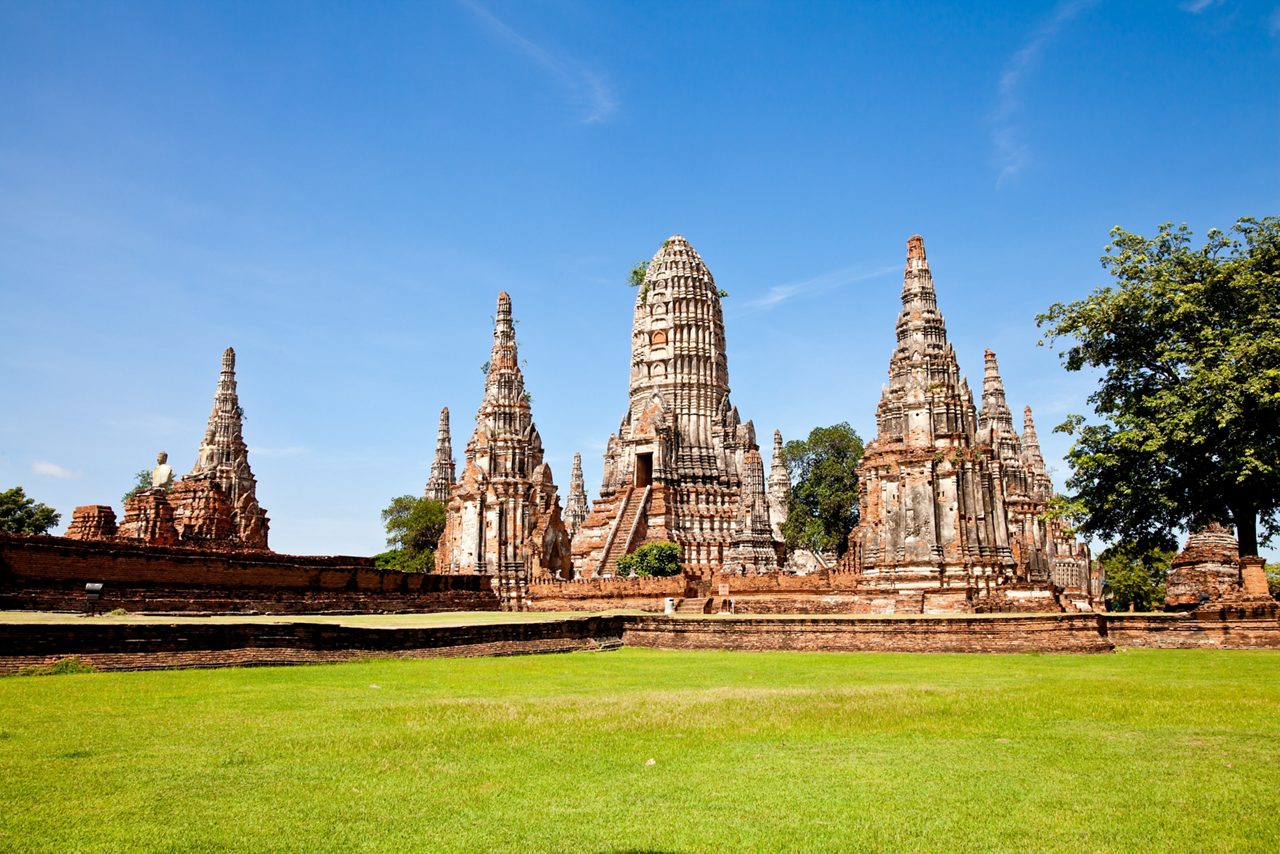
{"points": [[585, 88], [1195, 7], [47, 469], [1012, 153], [779, 294], [1273, 23]]}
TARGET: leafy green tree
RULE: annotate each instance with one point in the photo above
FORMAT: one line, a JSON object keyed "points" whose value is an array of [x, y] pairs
{"points": [[406, 561], [414, 526], [1187, 348], [1135, 576], [659, 560], [22, 515], [141, 481], [824, 497], [1273, 580]]}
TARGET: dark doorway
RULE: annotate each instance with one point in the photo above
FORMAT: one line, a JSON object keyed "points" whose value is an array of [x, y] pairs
{"points": [[644, 469]]}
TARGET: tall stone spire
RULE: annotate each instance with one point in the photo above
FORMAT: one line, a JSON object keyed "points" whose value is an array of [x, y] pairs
{"points": [[576, 507], [779, 487], [504, 513], [443, 470], [673, 471], [1032, 459], [224, 459], [932, 514], [995, 422], [926, 404], [753, 550]]}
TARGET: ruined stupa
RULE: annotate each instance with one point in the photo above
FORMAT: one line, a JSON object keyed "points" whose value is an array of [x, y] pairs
{"points": [[779, 487], [1206, 571], [504, 514], [754, 550], [443, 470], [933, 523], [673, 471], [576, 507], [231, 512]]}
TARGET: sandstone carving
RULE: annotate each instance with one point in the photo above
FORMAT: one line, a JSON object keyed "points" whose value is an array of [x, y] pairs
{"points": [[162, 474], [504, 514], [674, 469]]}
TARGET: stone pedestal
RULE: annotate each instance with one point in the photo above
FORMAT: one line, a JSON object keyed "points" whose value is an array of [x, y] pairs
{"points": [[148, 517], [92, 522]]}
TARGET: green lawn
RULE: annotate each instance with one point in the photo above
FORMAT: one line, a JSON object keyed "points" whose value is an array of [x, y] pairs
{"points": [[1140, 750]]}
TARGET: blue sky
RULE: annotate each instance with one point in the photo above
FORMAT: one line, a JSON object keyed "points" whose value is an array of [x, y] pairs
{"points": [[339, 191]]}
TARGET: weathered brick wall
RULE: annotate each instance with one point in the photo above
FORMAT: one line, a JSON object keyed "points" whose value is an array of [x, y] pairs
{"points": [[49, 573], [603, 594], [1249, 627], [1049, 633], [149, 646], [135, 646]]}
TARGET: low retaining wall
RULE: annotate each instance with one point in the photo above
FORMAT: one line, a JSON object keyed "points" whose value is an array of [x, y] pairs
{"points": [[1244, 627], [49, 574], [154, 646], [1048, 633], [145, 646], [604, 594]]}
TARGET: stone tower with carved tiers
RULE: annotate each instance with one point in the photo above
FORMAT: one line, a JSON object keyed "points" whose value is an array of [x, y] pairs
{"points": [[443, 470], [933, 519], [576, 507], [504, 514], [223, 460], [673, 471]]}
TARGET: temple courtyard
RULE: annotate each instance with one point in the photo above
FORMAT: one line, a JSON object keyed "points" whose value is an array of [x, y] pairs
{"points": [[641, 749]]}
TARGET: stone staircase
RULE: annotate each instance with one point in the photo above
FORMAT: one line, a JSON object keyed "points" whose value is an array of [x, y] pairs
{"points": [[694, 605], [620, 544]]}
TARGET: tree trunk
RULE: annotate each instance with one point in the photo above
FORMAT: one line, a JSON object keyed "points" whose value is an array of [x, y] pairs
{"points": [[1246, 520]]}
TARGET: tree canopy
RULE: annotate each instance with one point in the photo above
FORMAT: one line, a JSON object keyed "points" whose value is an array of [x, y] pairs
{"points": [[660, 560], [22, 515], [1187, 347], [824, 495], [1135, 577], [414, 526]]}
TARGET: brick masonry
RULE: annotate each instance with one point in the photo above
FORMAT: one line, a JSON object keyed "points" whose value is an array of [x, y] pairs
{"points": [[49, 573], [147, 646]]}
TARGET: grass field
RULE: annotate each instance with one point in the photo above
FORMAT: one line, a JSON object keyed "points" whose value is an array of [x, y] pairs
{"points": [[1140, 750]]}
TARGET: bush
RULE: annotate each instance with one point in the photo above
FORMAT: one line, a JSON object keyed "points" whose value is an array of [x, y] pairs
{"points": [[657, 560], [61, 667], [117, 612], [405, 560]]}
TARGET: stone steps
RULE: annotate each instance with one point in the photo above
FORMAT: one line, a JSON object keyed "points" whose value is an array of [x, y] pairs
{"points": [[626, 520], [696, 605]]}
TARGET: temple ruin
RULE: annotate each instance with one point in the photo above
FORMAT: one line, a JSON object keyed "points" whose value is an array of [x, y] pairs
{"points": [[952, 502], [674, 470], [215, 506], [504, 514]]}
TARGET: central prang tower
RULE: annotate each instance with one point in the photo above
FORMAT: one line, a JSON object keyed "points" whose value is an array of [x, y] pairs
{"points": [[674, 469]]}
